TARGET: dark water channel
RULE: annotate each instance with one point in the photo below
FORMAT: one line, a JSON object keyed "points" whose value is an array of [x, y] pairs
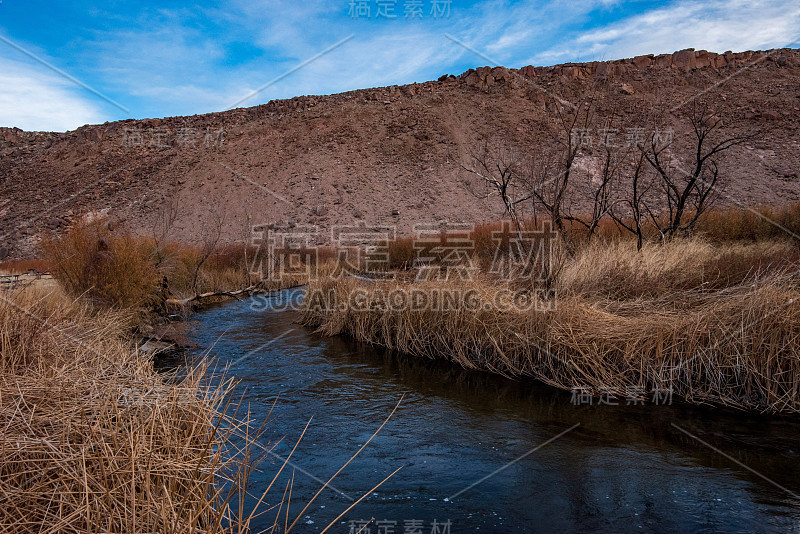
{"points": [[625, 468]]}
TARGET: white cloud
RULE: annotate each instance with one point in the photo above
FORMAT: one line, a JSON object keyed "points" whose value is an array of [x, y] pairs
{"points": [[366, 61], [174, 66], [33, 98], [508, 32], [736, 25]]}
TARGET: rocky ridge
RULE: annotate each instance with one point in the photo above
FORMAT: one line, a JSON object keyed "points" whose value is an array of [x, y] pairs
{"points": [[388, 155]]}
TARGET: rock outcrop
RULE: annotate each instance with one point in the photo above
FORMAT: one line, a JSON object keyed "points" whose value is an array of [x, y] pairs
{"points": [[682, 60]]}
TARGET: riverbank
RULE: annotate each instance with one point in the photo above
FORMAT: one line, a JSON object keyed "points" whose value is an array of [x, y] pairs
{"points": [[708, 323], [94, 439]]}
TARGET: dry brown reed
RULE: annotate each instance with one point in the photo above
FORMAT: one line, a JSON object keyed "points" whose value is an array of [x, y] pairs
{"points": [[94, 440], [712, 323], [113, 268]]}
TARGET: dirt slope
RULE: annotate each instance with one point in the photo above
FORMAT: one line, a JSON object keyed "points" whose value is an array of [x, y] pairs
{"points": [[390, 155]]}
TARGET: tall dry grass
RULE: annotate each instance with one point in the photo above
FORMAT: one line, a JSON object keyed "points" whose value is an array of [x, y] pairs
{"points": [[762, 222], [108, 268], [94, 440], [713, 323], [615, 270]]}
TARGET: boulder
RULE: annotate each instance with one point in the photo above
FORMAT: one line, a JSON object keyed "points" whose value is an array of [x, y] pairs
{"points": [[702, 58], [684, 59], [602, 70], [626, 89], [643, 61], [663, 60], [502, 74]]}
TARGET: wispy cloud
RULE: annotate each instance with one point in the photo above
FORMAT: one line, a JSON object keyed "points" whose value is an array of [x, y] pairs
{"points": [[33, 99], [177, 66], [712, 25]]}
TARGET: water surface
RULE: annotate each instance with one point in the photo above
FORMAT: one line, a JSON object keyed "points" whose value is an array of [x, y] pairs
{"points": [[625, 468]]}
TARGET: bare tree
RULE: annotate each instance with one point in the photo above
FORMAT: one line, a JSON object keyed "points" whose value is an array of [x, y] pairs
{"points": [[629, 212], [500, 171], [211, 235], [550, 170], [688, 193], [162, 226], [602, 187]]}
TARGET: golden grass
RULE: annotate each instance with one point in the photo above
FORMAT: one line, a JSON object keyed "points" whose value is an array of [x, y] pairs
{"points": [[763, 222], [94, 440], [613, 269], [113, 268], [713, 323]]}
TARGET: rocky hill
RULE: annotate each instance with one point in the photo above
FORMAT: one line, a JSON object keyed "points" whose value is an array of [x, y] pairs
{"points": [[389, 155]]}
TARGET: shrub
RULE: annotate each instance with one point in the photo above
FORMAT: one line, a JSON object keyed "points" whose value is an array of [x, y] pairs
{"points": [[108, 268]]}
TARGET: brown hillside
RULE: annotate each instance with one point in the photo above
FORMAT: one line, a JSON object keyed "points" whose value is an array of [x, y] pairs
{"points": [[389, 155]]}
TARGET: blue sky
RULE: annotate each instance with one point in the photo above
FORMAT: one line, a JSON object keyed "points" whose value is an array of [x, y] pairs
{"points": [[166, 58]]}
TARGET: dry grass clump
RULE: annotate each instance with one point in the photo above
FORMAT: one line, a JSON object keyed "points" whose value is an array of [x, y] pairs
{"points": [[615, 270], [112, 269], [714, 324], [226, 268], [401, 253], [736, 347], [94, 440], [765, 222]]}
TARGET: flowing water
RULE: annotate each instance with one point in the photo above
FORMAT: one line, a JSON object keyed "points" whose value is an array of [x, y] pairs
{"points": [[482, 453]]}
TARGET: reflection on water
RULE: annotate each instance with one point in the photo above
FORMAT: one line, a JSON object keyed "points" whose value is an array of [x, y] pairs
{"points": [[625, 468]]}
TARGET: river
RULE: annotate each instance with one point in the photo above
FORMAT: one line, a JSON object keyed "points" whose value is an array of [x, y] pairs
{"points": [[483, 453]]}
